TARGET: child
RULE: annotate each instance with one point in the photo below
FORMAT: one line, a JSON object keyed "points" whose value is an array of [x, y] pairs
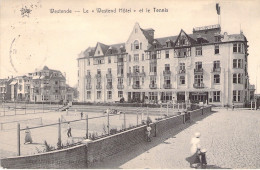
{"points": [[148, 132], [69, 130]]}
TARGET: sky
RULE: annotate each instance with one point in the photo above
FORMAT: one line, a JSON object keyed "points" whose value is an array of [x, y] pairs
{"points": [[36, 38]]}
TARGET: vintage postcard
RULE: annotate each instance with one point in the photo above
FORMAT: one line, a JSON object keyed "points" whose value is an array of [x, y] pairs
{"points": [[136, 84]]}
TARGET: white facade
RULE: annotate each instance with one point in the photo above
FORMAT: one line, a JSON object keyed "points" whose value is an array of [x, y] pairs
{"points": [[151, 69]]}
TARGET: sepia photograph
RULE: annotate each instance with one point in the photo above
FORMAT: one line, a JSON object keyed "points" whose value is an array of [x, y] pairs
{"points": [[141, 84]]}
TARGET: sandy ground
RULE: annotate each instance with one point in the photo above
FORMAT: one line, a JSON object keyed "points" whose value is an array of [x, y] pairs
{"points": [[232, 140]]}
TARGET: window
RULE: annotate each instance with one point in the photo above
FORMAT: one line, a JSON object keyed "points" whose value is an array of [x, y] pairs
{"points": [[120, 94], [238, 48], [56, 91], [136, 81], [238, 78], [129, 58], [136, 57], [136, 30], [109, 70], [142, 57], [153, 80], [98, 94], [88, 72], [216, 96], [56, 82], [109, 59], [136, 45], [198, 79], [153, 68], [158, 54], [216, 78], [148, 55], [216, 49], [120, 81], [198, 65], [167, 67], [153, 96], [237, 95], [109, 94], [99, 71], [88, 94], [142, 80], [198, 51], [166, 54], [129, 81], [88, 62], [216, 64], [129, 69], [237, 63], [167, 80], [98, 52], [142, 69], [140, 46], [182, 66], [136, 69], [182, 79], [109, 82]]}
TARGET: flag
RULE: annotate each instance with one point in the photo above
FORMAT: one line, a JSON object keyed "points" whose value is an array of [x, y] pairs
{"points": [[218, 9]]}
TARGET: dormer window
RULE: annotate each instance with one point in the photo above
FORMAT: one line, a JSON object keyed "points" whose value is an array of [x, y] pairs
{"points": [[136, 45], [136, 30], [217, 38], [98, 52]]}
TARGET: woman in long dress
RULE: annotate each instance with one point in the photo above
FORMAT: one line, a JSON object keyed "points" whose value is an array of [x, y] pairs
{"points": [[195, 151], [28, 137]]}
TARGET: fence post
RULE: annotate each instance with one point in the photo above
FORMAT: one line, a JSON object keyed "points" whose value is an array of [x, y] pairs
{"points": [[124, 121], [18, 140], [108, 129], [42, 107], [59, 133], [25, 107], [137, 118], [87, 126], [4, 108], [167, 109], [15, 107]]}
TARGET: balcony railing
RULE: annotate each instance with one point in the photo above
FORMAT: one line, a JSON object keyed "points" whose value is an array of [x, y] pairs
{"points": [[88, 87], [98, 86], [109, 86], [98, 75], [166, 72], [216, 69], [198, 85], [88, 76], [153, 73], [120, 86], [182, 71], [152, 86], [109, 75], [136, 74], [198, 71], [167, 86], [136, 86]]}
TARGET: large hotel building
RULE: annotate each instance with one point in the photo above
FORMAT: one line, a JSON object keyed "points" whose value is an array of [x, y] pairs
{"points": [[205, 66]]}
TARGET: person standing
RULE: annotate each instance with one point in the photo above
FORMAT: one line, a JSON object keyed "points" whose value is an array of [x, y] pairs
{"points": [[28, 137], [69, 130], [194, 159], [148, 131], [81, 115]]}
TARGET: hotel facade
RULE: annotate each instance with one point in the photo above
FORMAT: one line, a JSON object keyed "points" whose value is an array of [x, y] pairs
{"points": [[206, 66]]}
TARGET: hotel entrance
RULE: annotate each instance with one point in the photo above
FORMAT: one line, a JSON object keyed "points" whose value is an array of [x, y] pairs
{"points": [[196, 97]]}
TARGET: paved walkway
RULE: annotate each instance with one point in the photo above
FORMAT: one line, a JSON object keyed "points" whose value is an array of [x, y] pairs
{"points": [[232, 139]]}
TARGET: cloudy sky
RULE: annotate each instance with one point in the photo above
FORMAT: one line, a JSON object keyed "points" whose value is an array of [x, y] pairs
{"points": [[55, 40]]}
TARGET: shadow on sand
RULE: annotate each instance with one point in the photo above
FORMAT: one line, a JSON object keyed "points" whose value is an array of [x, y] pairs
{"points": [[115, 161]]}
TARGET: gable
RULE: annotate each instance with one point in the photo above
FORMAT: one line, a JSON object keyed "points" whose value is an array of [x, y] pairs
{"points": [[98, 50], [183, 40]]}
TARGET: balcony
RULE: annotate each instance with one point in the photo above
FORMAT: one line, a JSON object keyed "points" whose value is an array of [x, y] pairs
{"points": [[98, 75], [88, 76], [120, 86], [88, 87], [152, 86], [109, 75], [109, 86], [120, 74], [153, 61], [98, 86], [198, 85], [136, 86], [198, 71], [166, 72], [136, 74], [182, 71], [153, 73], [167, 86], [216, 70]]}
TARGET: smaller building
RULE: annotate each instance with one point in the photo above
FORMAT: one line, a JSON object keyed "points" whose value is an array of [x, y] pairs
{"points": [[5, 90]]}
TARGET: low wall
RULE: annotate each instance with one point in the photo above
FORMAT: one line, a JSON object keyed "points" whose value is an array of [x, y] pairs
{"points": [[74, 157], [84, 156]]}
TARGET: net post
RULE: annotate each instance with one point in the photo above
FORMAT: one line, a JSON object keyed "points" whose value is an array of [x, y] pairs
{"points": [[59, 133], [108, 129], [18, 140], [87, 126]]}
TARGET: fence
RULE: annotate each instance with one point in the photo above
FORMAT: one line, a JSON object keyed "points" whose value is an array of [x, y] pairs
{"points": [[28, 122]]}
